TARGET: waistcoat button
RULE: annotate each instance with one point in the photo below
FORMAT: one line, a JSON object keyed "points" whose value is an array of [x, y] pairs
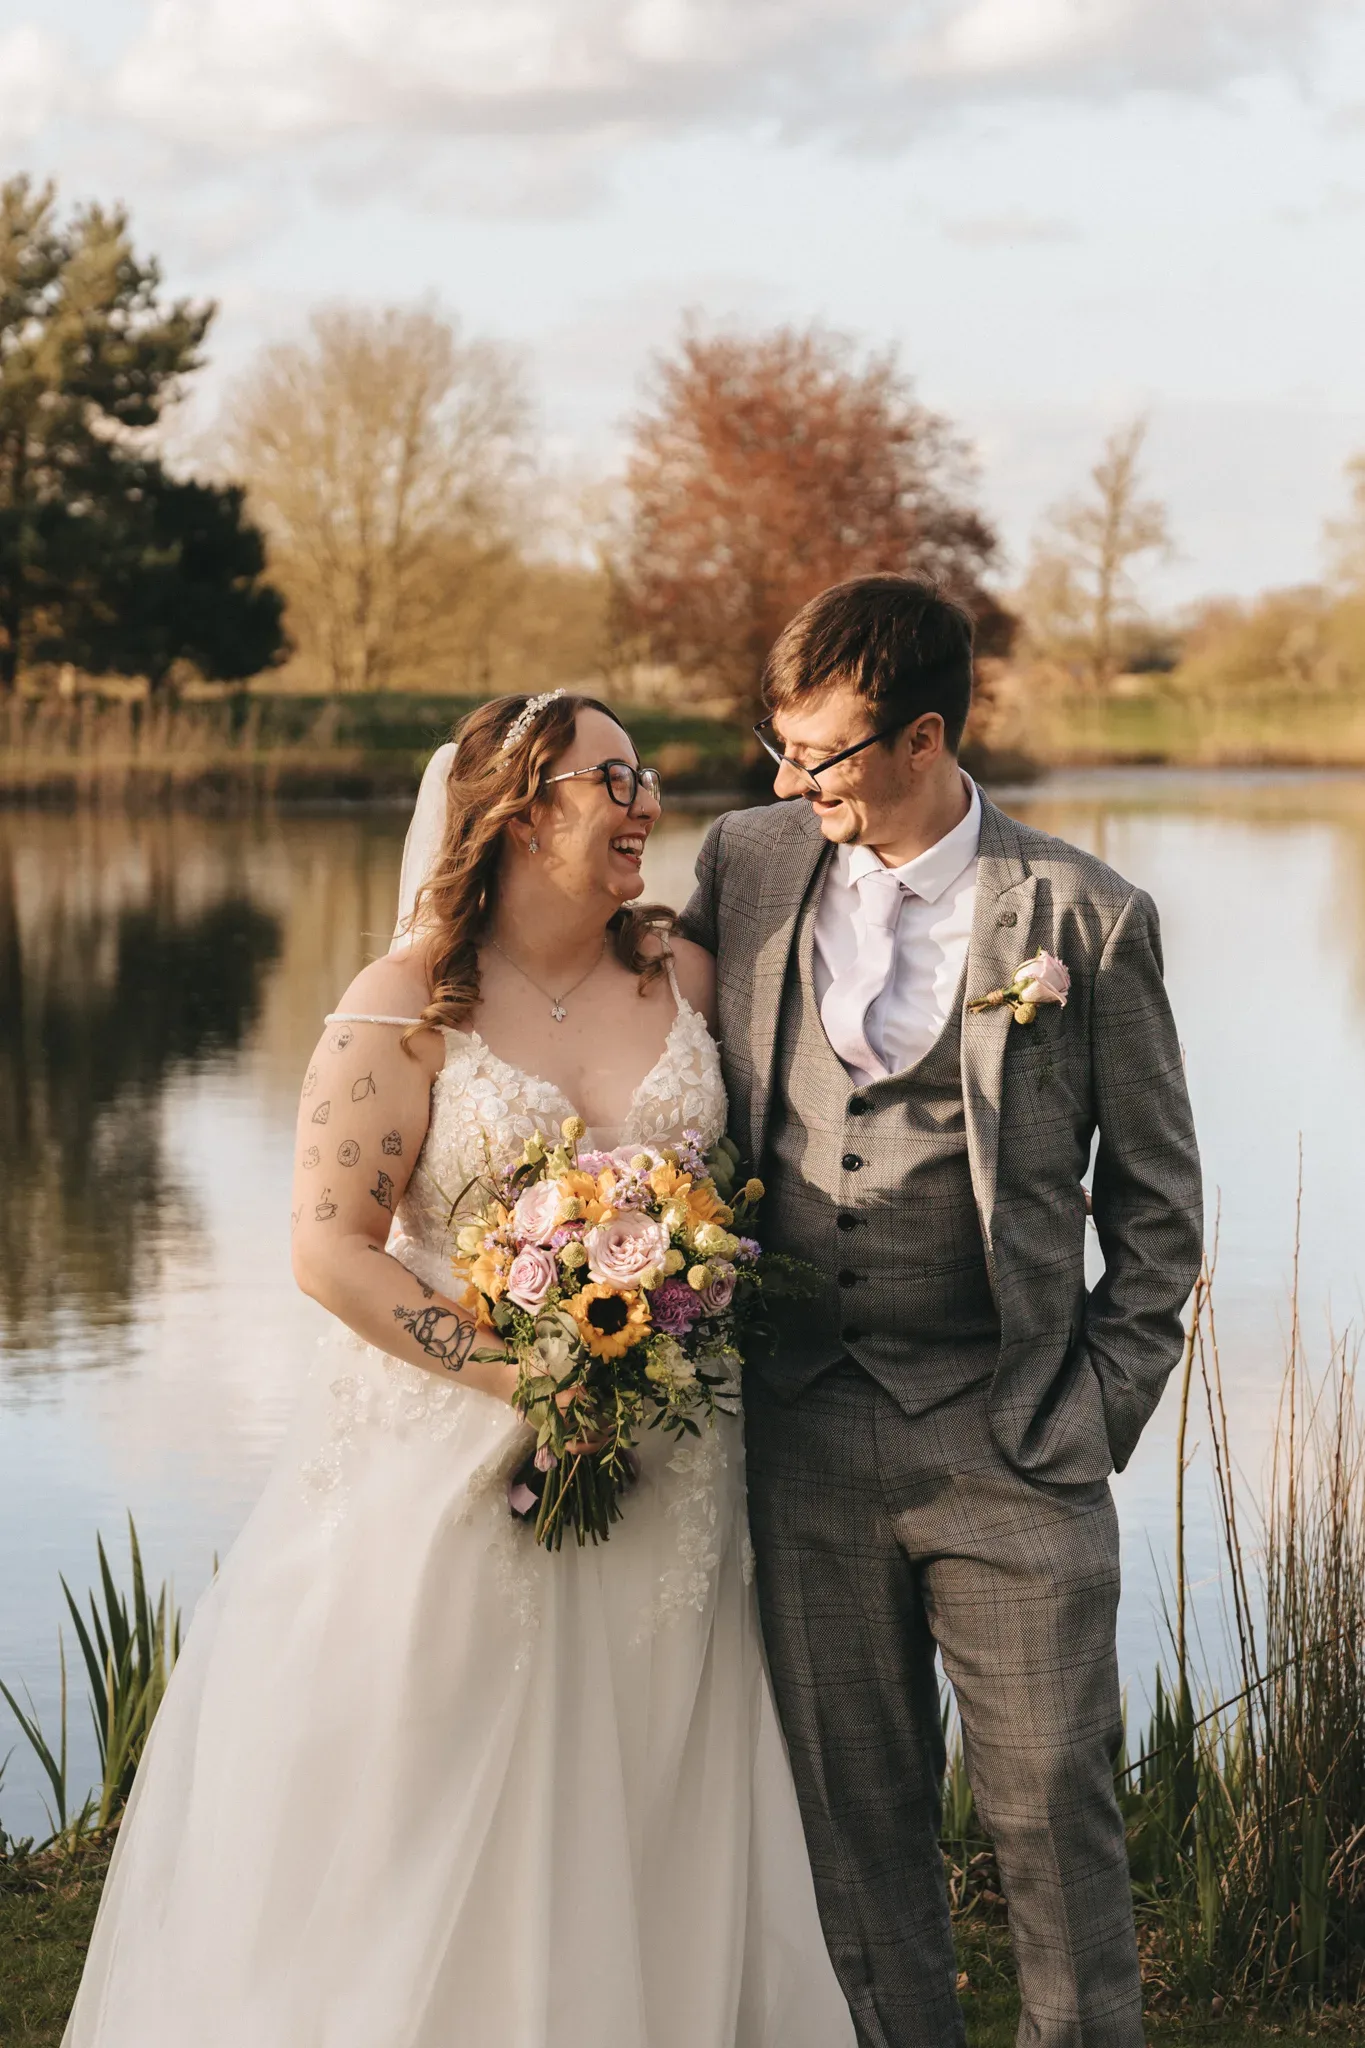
{"points": [[846, 1222], [851, 1162], [857, 1107], [850, 1335], [848, 1278]]}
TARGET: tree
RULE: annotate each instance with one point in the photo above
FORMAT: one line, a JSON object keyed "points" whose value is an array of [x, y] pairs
{"points": [[1346, 537], [382, 456], [1079, 602], [766, 468], [90, 359]]}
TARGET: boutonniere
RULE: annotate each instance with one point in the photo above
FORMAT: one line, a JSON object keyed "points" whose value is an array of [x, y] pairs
{"points": [[1043, 979]]}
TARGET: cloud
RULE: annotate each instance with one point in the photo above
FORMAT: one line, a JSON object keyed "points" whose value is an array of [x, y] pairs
{"points": [[1002, 230], [34, 83], [259, 74]]}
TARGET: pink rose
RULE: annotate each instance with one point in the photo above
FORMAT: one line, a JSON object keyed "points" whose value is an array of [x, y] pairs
{"points": [[594, 1162], [536, 1216], [530, 1277], [1043, 979], [621, 1250], [719, 1293]]}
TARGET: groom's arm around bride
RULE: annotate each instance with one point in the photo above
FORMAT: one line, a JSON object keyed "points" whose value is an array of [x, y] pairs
{"points": [[929, 1453]]}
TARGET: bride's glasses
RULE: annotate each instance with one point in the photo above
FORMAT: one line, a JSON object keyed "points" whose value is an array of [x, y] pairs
{"points": [[623, 779]]}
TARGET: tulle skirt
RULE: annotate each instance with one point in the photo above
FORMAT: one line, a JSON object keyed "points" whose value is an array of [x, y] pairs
{"points": [[417, 1784]]}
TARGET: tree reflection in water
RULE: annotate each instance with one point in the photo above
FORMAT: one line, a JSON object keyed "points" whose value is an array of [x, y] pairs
{"points": [[115, 976]]}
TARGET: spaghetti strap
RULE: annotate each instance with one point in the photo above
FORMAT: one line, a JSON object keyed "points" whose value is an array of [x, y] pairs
{"points": [[679, 998], [359, 1017]]}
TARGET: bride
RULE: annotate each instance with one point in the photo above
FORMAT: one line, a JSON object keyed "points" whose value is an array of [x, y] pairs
{"points": [[417, 1783]]}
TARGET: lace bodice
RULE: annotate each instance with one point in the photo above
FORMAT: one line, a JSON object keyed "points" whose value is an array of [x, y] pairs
{"points": [[483, 1110]]}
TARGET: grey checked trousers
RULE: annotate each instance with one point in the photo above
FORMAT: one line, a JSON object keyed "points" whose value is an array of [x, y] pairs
{"points": [[879, 1536]]}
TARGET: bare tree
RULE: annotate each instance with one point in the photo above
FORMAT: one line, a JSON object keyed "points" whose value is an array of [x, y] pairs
{"points": [[1346, 537], [765, 468], [1079, 599], [383, 456]]}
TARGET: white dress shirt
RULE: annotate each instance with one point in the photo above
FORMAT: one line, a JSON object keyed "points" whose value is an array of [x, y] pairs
{"points": [[932, 935]]}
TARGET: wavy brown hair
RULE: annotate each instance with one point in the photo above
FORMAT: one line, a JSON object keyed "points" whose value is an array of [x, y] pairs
{"points": [[488, 787]]}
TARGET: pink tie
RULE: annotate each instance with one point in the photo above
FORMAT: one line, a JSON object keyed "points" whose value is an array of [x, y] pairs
{"points": [[851, 994]]}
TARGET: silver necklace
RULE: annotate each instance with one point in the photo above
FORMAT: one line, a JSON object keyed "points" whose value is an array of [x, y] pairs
{"points": [[557, 1009]]}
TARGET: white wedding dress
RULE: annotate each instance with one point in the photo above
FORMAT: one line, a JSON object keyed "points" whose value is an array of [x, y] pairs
{"points": [[418, 1784]]}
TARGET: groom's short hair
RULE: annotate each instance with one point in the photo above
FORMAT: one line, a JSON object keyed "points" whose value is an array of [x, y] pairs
{"points": [[904, 647]]}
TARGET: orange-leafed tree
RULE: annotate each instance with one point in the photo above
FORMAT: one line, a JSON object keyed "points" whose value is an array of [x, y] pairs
{"points": [[764, 468]]}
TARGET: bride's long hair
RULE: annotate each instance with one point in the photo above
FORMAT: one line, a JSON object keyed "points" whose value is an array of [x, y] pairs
{"points": [[489, 785]]}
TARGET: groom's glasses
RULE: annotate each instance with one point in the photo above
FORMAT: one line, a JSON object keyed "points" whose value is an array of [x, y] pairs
{"points": [[772, 747], [623, 779]]}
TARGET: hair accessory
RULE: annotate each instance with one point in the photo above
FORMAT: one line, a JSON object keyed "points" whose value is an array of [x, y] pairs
{"points": [[527, 717]]}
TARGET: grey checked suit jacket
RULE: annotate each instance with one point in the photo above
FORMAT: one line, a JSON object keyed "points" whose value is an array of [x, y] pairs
{"points": [[1079, 1372]]}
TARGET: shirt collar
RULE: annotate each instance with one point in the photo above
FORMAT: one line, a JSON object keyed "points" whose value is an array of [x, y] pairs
{"points": [[932, 872]]}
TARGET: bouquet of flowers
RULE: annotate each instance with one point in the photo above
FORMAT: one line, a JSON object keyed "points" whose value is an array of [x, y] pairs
{"points": [[626, 1285]]}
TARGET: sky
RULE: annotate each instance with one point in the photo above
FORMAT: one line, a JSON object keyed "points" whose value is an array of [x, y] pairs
{"points": [[1059, 212]]}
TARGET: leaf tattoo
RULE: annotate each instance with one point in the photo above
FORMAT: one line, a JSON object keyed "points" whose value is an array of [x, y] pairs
{"points": [[392, 1144], [348, 1152], [363, 1087], [383, 1191], [428, 1293], [310, 1081], [311, 1156], [294, 1221], [438, 1332], [326, 1208], [322, 1112], [339, 1040]]}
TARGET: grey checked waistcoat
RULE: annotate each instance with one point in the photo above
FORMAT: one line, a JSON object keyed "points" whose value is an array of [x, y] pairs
{"points": [[872, 1185]]}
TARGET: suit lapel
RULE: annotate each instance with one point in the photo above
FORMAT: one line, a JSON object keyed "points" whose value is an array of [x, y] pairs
{"points": [[1001, 940], [790, 869]]}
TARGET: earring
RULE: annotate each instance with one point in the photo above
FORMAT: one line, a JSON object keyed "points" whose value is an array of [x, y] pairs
{"points": [[534, 846]]}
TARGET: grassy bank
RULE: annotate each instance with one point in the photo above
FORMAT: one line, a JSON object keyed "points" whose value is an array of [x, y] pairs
{"points": [[47, 1909], [235, 752], [1164, 724]]}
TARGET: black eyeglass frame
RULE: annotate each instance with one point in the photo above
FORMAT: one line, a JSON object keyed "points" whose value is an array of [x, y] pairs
{"points": [[763, 734], [640, 778]]}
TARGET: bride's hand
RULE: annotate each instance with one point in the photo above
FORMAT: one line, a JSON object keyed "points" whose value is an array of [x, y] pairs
{"points": [[581, 1446]]}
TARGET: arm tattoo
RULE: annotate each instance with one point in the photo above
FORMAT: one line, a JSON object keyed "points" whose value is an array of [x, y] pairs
{"points": [[363, 1087], [310, 1157], [439, 1333], [326, 1208], [428, 1293], [348, 1152], [322, 1112], [339, 1040], [310, 1081], [392, 1144], [383, 1192], [294, 1221]]}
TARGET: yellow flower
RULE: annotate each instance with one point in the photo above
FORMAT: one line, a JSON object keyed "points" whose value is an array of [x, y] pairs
{"points": [[754, 1191], [666, 1181], [608, 1322], [471, 1238], [573, 1255], [704, 1206], [674, 1261], [489, 1274], [574, 1128], [698, 1278]]}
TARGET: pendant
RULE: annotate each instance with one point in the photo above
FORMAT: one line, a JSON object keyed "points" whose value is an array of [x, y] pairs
{"points": [[558, 1012]]}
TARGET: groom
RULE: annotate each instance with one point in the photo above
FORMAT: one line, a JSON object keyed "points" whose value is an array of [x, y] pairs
{"points": [[929, 1453]]}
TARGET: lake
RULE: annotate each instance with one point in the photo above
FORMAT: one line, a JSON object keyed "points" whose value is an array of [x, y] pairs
{"points": [[162, 981]]}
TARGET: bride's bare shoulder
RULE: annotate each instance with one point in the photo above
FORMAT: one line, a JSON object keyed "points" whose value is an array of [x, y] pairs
{"points": [[392, 987], [696, 972]]}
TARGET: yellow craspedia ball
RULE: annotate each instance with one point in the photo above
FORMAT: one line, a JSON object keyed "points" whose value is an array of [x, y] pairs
{"points": [[697, 1278], [754, 1191], [574, 1128], [674, 1261]]}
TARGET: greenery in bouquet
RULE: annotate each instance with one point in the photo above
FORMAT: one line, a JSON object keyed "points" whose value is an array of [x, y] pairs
{"points": [[627, 1285]]}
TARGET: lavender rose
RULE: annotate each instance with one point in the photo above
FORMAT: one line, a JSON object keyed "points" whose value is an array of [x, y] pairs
{"points": [[719, 1290], [537, 1212], [621, 1250], [1043, 979], [673, 1308], [530, 1277]]}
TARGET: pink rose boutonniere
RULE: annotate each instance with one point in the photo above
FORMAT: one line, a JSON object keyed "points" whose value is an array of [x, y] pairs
{"points": [[1043, 979]]}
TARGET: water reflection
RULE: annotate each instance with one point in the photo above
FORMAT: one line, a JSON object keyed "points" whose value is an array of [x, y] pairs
{"points": [[115, 974]]}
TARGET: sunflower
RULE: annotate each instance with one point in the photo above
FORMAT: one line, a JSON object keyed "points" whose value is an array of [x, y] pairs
{"points": [[609, 1322], [587, 1189], [705, 1206], [489, 1274], [666, 1181]]}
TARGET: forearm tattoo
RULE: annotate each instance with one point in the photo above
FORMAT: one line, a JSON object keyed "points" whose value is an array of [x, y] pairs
{"points": [[322, 1112], [383, 1191], [438, 1332], [392, 1144], [311, 1156], [326, 1208], [310, 1081], [348, 1152]]}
